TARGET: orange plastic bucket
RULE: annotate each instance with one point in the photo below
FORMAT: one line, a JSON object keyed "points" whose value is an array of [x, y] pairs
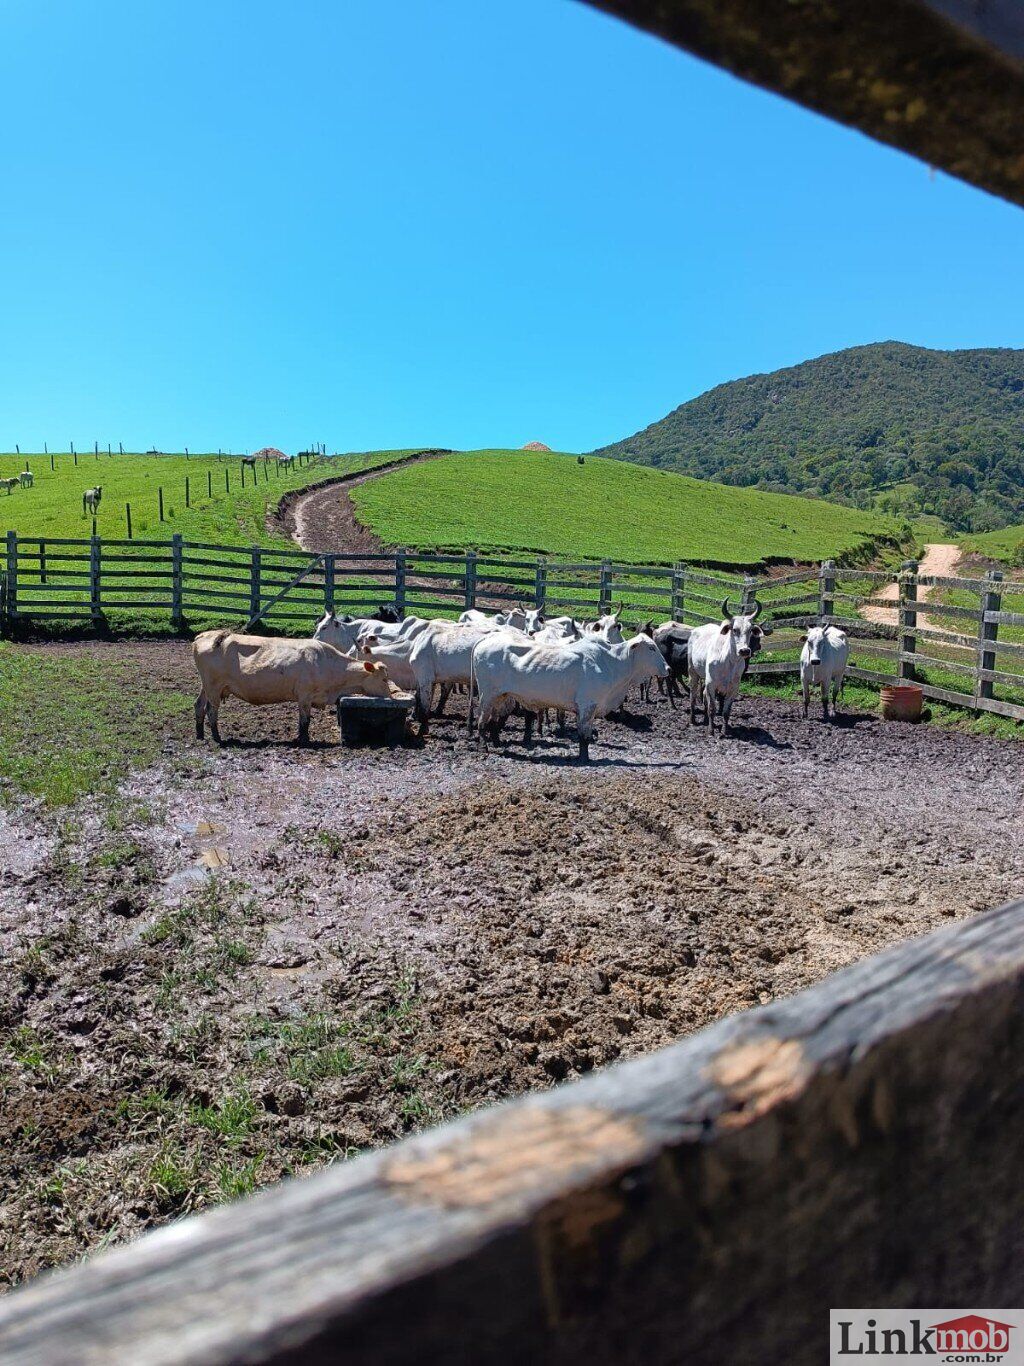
{"points": [[902, 702]]}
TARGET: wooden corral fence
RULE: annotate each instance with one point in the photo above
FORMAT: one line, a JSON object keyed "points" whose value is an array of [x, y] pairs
{"points": [[853, 1145], [964, 644]]}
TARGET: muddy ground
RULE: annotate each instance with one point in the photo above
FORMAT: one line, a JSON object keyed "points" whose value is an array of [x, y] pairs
{"points": [[257, 959]]}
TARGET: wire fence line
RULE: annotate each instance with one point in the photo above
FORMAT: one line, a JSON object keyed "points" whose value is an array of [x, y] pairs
{"points": [[963, 643]]}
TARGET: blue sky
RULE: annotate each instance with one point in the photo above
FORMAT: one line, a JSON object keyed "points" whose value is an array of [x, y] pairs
{"points": [[435, 222]]}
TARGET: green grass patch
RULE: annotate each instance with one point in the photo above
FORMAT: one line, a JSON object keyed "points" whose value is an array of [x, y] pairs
{"points": [[1005, 545], [221, 511], [71, 725], [538, 503]]}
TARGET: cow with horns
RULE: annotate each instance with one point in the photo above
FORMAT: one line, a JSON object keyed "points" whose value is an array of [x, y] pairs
{"points": [[718, 658]]}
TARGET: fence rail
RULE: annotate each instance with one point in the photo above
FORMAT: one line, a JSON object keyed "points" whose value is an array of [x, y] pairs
{"points": [[965, 651]]}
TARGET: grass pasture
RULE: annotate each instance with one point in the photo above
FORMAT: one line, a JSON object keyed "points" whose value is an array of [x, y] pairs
{"points": [[221, 510], [539, 503], [1006, 545]]}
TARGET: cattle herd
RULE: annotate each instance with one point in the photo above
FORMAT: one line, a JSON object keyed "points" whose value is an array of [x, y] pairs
{"points": [[515, 663]]}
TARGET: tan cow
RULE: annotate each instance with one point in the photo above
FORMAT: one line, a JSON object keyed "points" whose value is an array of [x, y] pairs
{"points": [[264, 671]]}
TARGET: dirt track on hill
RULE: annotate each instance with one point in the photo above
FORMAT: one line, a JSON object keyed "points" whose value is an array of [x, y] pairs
{"points": [[938, 559], [322, 519]]}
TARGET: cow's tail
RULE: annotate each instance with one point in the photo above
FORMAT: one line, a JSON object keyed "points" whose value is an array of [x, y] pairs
{"points": [[472, 686]]}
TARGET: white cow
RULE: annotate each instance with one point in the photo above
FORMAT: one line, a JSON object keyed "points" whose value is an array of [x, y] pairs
{"points": [[717, 660], [27, 479], [584, 677], [823, 662], [492, 621], [394, 655], [442, 657]]}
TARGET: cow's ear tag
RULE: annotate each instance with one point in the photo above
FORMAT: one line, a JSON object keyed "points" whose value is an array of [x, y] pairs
{"points": [[368, 666]]}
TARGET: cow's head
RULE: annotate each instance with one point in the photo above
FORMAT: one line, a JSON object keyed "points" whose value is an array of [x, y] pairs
{"points": [[375, 682], [336, 631], [746, 634], [814, 640], [534, 620], [646, 659]]}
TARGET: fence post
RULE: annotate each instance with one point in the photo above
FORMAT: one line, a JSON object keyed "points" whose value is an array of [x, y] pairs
{"points": [[160, 496], [209, 483], [128, 518], [188, 502], [400, 554], [42, 561], [177, 595], [907, 618], [678, 590], [827, 589], [12, 575], [470, 578], [328, 583], [254, 585], [988, 632], [604, 589], [747, 599], [95, 600], [540, 586]]}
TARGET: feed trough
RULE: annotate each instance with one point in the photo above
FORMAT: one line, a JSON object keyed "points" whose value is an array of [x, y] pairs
{"points": [[374, 720]]}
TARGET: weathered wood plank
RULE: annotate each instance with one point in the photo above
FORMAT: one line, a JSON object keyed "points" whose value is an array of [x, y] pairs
{"points": [[702, 1205], [941, 79]]}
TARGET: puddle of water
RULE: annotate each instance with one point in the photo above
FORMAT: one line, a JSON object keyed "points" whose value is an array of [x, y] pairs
{"points": [[185, 878], [206, 829]]}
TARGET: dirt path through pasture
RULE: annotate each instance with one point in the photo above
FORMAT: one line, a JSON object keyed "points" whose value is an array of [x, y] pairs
{"points": [[940, 559], [322, 519], [396, 937]]}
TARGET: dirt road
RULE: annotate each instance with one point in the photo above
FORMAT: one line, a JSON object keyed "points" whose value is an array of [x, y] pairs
{"points": [[322, 518], [938, 558]]}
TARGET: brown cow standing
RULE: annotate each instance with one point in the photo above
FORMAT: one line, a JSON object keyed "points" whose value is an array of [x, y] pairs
{"points": [[264, 671]]}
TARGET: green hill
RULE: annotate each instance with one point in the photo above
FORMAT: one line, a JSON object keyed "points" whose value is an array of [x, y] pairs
{"points": [[907, 429], [1006, 544], [500, 501]]}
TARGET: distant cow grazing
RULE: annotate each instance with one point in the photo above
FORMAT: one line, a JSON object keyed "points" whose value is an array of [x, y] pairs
{"points": [[91, 500], [718, 659], [8, 485], [263, 671], [823, 662], [26, 479]]}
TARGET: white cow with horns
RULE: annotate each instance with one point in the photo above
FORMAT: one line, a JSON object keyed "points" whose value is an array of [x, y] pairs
{"points": [[718, 658]]}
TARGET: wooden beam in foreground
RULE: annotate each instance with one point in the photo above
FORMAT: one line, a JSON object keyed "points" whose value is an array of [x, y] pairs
{"points": [[941, 79]]}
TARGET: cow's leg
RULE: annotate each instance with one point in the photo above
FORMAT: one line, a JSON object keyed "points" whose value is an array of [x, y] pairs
{"points": [[212, 712], [585, 730], [726, 712], [530, 718], [805, 688], [696, 689], [837, 690], [202, 706], [303, 736], [824, 700], [446, 692]]}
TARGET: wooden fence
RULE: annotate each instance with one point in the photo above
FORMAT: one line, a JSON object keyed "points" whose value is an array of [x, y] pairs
{"points": [[964, 644], [855, 1144]]}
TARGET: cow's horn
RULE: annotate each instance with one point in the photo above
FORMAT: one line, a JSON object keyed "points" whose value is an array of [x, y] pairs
{"points": [[725, 609], [757, 610]]}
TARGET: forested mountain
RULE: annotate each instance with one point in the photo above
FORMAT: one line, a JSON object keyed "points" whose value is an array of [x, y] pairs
{"points": [[901, 427]]}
